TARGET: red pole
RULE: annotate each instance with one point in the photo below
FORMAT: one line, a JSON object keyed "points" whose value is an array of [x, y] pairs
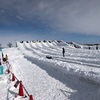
{"points": [[31, 97], [13, 77], [8, 71], [21, 93]]}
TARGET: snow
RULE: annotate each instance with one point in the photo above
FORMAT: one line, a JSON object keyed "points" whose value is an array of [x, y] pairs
{"points": [[73, 77]]}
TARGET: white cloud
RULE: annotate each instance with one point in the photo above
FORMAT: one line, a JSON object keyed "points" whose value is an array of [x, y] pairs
{"points": [[19, 17], [77, 16], [2, 11]]}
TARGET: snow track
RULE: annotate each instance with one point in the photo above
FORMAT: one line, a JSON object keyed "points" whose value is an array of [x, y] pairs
{"points": [[73, 77], [67, 63]]}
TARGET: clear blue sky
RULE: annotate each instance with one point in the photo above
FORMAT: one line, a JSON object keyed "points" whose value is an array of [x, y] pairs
{"points": [[68, 20]]}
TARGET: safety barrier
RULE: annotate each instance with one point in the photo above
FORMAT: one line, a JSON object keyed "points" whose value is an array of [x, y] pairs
{"points": [[18, 82]]}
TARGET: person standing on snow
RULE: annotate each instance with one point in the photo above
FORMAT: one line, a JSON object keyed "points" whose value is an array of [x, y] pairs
{"points": [[63, 52], [96, 47], [6, 57], [0, 62]]}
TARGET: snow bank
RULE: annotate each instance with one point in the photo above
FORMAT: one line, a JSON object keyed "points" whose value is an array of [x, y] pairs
{"points": [[79, 70], [73, 77]]}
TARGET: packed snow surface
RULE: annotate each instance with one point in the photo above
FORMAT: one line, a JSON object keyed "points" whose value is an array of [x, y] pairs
{"points": [[73, 77]]}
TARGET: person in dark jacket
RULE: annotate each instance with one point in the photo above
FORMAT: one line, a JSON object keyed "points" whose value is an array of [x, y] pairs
{"points": [[63, 52], [2, 55], [6, 57], [96, 47]]}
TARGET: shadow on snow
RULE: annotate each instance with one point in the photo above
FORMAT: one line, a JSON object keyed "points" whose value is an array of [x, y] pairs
{"points": [[83, 88]]}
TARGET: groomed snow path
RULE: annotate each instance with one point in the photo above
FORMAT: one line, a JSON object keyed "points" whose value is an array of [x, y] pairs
{"points": [[45, 81]]}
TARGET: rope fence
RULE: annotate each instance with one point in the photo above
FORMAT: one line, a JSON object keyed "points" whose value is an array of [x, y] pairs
{"points": [[18, 82]]}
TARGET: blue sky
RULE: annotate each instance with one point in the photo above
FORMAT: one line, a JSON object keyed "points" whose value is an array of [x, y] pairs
{"points": [[68, 20]]}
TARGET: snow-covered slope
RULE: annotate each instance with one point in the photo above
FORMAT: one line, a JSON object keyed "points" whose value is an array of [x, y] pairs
{"points": [[73, 77]]}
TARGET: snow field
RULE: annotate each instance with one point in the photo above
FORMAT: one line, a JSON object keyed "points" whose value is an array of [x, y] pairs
{"points": [[74, 77]]}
